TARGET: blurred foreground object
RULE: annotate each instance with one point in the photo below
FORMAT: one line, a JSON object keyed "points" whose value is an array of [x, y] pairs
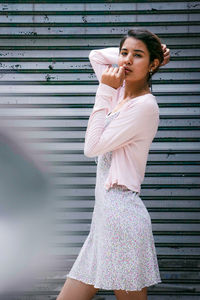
{"points": [[26, 216]]}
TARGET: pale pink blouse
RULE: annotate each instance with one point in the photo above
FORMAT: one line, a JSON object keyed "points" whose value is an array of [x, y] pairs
{"points": [[128, 135]]}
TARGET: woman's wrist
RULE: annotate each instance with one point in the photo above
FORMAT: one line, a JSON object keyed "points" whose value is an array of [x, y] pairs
{"points": [[108, 85]]}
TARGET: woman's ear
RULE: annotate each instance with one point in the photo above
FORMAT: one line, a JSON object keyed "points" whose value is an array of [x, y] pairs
{"points": [[154, 65]]}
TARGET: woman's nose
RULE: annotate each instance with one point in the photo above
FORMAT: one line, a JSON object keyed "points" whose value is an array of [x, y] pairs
{"points": [[128, 59]]}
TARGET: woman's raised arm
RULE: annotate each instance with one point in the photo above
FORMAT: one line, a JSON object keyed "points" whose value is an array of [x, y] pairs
{"points": [[138, 121], [101, 58]]}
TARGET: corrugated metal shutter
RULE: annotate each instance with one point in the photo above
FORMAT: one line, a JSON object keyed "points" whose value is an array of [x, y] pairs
{"points": [[47, 87]]}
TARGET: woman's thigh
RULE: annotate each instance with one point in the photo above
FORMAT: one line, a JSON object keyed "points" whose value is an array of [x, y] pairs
{"points": [[131, 295], [76, 290]]}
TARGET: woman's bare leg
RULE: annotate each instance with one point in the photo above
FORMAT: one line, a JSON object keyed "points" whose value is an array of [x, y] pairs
{"points": [[76, 290], [131, 295]]}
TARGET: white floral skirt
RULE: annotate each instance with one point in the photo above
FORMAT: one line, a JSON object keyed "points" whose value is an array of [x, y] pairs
{"points": [[119, 252]]}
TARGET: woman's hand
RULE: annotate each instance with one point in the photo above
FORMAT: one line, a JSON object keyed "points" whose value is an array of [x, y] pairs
{"points": [[166, 53], [113, 77]]}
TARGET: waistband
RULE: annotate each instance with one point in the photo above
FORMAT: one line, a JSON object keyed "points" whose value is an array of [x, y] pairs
{"points": [[123, 188], [137, 193]]}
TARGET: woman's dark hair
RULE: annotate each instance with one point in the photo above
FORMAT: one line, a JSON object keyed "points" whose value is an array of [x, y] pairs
{"points": [[151, 41]]}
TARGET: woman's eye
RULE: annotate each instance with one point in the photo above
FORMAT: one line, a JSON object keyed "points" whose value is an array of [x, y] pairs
{"points": [[134, 54]]}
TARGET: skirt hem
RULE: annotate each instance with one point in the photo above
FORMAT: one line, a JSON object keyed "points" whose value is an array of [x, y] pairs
{"points": [[117, 287]]}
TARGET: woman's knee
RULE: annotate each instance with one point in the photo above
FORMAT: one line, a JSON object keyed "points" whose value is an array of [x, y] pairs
{"points": [[131, 295], [76, 290]]}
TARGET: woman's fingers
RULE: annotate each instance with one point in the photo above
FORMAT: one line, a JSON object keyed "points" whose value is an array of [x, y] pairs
{"points": [[165, 49], [120, 71], [114, 70], [166, 53], [110, 70], [166, 59], [121, 74], [113, 76]]}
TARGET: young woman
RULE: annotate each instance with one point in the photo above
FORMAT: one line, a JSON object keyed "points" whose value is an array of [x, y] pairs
{"points": [[119, 253]]}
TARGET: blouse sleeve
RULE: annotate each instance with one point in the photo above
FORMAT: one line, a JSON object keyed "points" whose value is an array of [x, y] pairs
{"points": [[139, 121], [101, 58]]}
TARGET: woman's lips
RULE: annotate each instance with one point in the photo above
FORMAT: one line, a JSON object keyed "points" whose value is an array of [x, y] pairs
{"points": [[127, 71]]}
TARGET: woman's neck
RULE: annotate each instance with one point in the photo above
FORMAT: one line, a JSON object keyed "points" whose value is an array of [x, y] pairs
{"points": [[132, 91]]}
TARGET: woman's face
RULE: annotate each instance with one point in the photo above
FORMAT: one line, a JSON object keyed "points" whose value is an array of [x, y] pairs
{"points": [[135, 56]]}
